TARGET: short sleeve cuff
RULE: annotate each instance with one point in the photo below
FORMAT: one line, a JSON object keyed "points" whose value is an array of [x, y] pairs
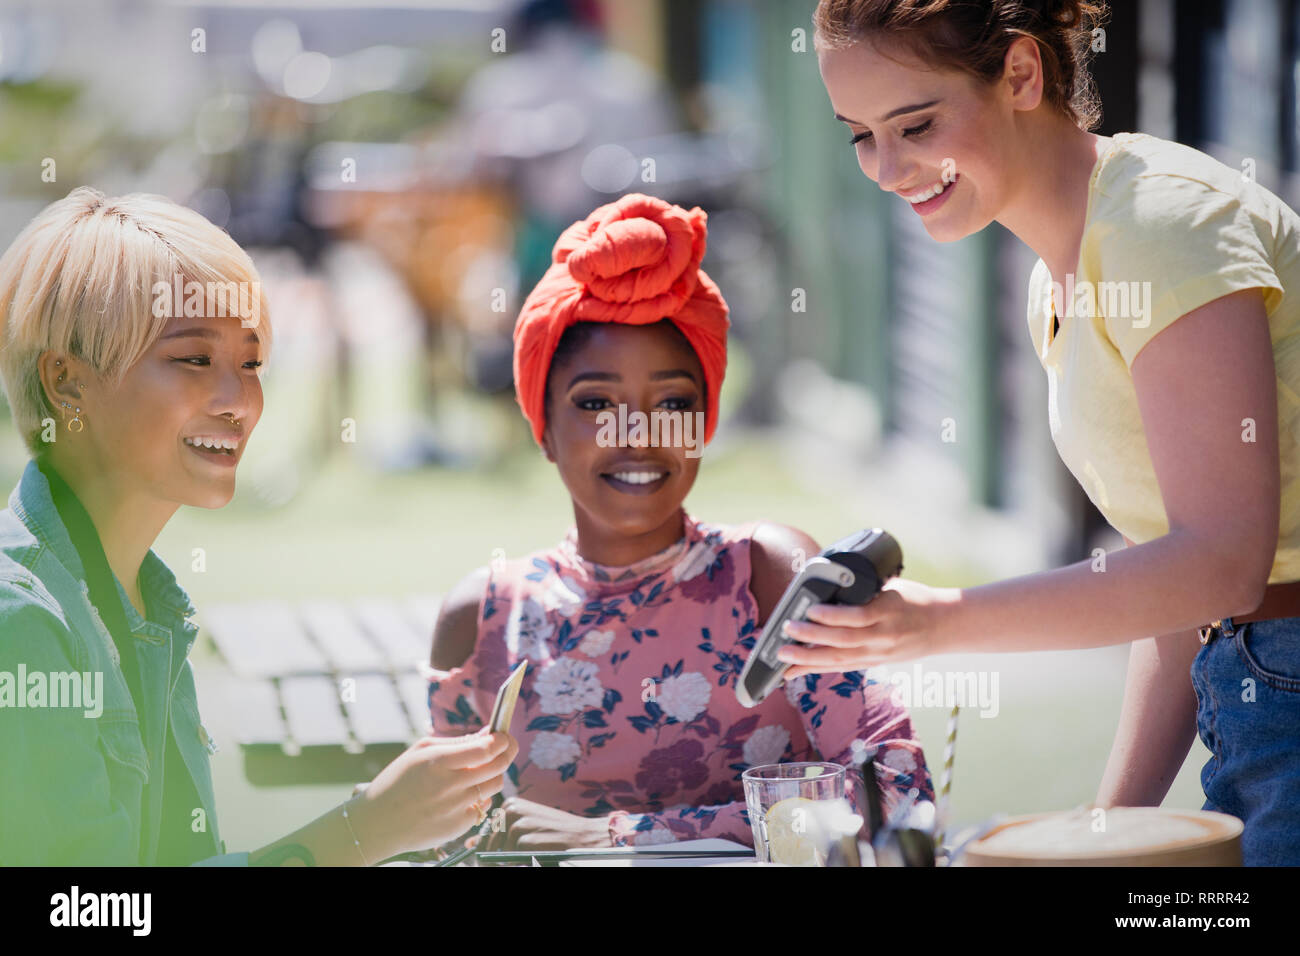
{"points": [[1130, 335]]}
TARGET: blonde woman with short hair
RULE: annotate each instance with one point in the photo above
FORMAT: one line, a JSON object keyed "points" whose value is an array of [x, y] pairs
{"points": [[132, 334]]}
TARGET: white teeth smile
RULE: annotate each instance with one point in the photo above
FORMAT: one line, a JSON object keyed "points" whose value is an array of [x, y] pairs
{"points": [[639, 477], [215, 444], [928, 193]]}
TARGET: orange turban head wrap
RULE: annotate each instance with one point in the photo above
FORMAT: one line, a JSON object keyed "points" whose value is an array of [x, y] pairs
{"points": [[634, 261]]}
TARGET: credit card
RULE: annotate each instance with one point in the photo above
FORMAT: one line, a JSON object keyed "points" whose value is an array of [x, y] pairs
{"points": [[507, 695]]}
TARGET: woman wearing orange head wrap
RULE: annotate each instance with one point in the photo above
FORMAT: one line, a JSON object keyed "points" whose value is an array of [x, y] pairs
{"points": [[636, 626], [635, 261]]}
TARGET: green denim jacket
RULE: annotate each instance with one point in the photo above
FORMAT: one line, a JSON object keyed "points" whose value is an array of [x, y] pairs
{"points": [[75, 771]]}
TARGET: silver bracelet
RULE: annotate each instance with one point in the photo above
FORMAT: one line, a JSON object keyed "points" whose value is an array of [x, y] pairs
{"points": [[355, 841]]}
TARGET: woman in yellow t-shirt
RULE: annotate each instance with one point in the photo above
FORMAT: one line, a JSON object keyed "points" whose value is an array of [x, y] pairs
{"points": [[1165, 310]]}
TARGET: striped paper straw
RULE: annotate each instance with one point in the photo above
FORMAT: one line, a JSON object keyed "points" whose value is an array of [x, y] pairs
{"points": [[945, 781]]}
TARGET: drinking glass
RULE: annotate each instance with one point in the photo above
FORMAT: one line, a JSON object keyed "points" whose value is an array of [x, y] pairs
{"points": [[791, 806]]}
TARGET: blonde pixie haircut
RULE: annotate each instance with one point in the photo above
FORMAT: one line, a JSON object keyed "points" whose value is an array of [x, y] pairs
{"points": [[81, 279]]}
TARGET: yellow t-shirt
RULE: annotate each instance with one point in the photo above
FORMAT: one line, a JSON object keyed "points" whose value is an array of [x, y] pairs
{"points": [[1168, 229]]}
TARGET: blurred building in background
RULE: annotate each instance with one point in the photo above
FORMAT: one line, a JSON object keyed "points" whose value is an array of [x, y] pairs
{"points": [[400, 170]]}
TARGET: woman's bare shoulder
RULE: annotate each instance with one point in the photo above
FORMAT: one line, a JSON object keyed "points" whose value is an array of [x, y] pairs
{"points": [[776, 551], [456, 632]]}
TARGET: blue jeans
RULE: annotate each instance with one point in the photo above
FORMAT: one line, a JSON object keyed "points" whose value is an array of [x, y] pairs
{"points": [[1247, 680]]}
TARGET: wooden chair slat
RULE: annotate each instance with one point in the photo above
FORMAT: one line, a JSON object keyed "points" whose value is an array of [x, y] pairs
{"points": [[313, 712], [376, 713], [259, 721], [341, 638], [263, 639], [394, 632]]}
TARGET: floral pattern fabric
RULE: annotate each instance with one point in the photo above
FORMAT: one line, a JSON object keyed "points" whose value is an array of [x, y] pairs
{"points": [[628, 707]]}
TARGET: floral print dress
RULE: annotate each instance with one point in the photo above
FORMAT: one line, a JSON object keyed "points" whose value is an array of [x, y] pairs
{"points": [[628, 707]]}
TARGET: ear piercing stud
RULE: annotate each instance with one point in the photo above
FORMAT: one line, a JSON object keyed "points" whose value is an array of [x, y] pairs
{"points": [[62, 376]]}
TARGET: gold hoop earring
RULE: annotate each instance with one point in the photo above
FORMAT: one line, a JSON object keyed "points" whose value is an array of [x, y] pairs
{"points": [[76, 424]]}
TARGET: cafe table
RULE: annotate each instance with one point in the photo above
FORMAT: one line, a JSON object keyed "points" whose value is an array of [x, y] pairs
{"points": [[710, 852]]}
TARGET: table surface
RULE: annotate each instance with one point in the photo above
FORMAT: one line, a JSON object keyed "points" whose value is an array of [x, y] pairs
{"points": [[641, 856]]}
